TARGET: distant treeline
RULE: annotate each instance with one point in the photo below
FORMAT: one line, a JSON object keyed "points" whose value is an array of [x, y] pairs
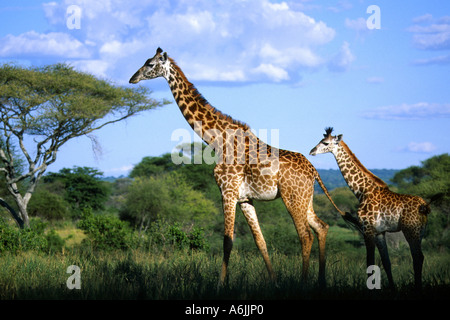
{"points": [[333, 178]]}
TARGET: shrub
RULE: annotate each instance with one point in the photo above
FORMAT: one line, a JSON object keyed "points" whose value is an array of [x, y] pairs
{"points": [[176, 236], [167, 195], [106, 231], [197, 239], [15, 240], [54, 242], [163, 234], [48, 205]]}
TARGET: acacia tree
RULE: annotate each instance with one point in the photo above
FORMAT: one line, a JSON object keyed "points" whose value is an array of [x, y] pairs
{"points": [[41, 108]]}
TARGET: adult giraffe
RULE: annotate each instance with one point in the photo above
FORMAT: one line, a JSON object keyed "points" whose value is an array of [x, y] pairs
{"points": [[247, 169], [380, 210]]}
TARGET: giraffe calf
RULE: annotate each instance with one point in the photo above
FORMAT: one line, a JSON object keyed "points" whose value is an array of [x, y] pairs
{"points": [[380, 210]]}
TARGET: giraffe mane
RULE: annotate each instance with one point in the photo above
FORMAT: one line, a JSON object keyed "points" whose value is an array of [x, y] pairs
{"points": [[358, 163], [205, 102]]}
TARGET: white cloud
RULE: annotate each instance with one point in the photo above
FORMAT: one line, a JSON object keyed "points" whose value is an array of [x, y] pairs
{"points": [[340, 6], [274, 73], [235, 41], [292, 56], [54, 44], [375, 80], [342, 60], [95, 67], [419, 147], [417, 111], [216, 73], [124, 170], [359, 24], [430, 33], [439, 40], [424, 18], [236, 38], [439, 60], [118, 49]]}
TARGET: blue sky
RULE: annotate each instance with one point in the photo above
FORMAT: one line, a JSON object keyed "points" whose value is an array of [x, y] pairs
{"points": [[293, 66]]}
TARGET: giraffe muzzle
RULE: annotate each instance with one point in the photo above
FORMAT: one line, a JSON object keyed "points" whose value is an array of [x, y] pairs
{"points": [[135, 78]]}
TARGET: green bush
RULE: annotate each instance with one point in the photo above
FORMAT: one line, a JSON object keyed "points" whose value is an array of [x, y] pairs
{"points": [[14, 240], [106, 231], [54, 242], [167, 195], [48, 205], [162, 234], [197, 239], [176, 236]]}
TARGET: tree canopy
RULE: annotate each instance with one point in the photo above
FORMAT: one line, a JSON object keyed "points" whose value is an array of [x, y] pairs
{"points": [[430, 181], [50, 105]]}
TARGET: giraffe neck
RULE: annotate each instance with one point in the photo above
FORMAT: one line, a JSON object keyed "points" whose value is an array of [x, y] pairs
{"points": [[359, 179], [200, 115], [232, 141]]}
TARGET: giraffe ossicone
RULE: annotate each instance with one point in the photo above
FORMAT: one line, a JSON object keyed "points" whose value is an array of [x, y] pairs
{"points": [[251, 170]]}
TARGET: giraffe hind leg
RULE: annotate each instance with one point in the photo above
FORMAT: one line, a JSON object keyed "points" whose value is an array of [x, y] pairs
{"points": [[414, 241], [321, 229], [380, 241], [250, 214], [299, 214], [306, 239]]}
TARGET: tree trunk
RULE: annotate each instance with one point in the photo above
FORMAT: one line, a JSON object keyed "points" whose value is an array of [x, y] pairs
{"points": [[13, 212], [23, 213]]}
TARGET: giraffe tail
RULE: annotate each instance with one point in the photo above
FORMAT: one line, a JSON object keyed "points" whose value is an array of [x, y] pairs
{"points": [[424, 209], [322, 185], [347, 216]]}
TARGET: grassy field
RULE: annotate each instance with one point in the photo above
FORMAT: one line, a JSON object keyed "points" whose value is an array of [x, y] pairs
{"points": [[184, 274]]}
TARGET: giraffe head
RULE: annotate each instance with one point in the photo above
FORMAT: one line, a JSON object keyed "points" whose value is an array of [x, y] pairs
{"points": [[155, 67], [328, 144]]}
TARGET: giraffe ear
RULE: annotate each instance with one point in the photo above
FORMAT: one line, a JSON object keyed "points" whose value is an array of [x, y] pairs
{"points": [[165, 56], [339, 138]]}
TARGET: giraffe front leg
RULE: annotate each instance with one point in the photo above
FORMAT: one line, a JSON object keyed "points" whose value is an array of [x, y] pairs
{"points": [[229, 208], [370, 249]]}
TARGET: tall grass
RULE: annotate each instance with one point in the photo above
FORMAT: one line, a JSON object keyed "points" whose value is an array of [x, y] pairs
{"points": [[186, 274]]}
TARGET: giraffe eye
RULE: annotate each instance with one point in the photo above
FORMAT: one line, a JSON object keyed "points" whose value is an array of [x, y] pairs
{"points": [[325, 143]]}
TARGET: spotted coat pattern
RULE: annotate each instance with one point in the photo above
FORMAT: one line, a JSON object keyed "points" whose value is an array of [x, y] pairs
{"points": [[248, 169], [380, 209]]}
